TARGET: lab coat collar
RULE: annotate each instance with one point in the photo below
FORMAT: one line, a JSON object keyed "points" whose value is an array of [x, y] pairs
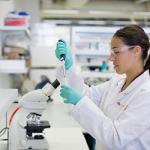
{"points": [[143, 78]]}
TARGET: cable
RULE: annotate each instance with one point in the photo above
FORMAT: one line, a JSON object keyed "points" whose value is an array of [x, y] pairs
{"points": [[2, 132], [13, 114]]}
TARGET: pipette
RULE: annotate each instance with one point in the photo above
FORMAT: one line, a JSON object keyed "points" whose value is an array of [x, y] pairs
{"points": [[62, 59]]}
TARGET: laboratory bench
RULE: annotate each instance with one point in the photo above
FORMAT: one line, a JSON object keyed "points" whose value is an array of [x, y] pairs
{"points": [[64, 133]]}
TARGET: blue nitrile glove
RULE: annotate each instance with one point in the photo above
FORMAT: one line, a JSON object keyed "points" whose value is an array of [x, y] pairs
{"points": [[62, 49], [70, 95]]}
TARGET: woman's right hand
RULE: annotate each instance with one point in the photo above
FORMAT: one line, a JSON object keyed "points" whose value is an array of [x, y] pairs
{"points": [[62, 49]]}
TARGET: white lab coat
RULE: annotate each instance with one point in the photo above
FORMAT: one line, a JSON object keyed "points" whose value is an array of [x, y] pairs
{"points": [[119, 120]]}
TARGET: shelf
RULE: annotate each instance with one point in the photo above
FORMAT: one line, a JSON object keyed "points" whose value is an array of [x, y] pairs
{"points": [[16, 28], [13, 28], [94, 30], [88, 64], [93, 74], [13, 66], [91, 52]]}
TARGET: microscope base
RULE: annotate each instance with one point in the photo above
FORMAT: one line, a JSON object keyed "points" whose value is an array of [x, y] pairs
{"points": [[40, 144]]}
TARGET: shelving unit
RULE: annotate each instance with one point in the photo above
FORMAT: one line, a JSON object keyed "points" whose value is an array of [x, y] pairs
{"points": [[92, 74], [91, 53], [13, 28], [91, 48], [12, 65]]}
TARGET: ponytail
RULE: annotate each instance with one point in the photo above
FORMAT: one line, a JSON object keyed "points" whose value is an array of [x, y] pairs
{"points": [[147, 64]]}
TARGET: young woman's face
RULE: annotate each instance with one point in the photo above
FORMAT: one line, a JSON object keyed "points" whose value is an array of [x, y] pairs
{"points": [[121, 56]]}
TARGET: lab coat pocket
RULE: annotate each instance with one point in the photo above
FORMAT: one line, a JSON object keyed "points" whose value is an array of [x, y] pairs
{"points": [[115, 109]]}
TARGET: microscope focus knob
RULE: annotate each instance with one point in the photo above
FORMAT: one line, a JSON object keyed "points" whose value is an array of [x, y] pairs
{"points": [[38, 137]]}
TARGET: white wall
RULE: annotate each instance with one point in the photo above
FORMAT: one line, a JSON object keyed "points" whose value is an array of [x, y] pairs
{"points": [[5, 7], [5, 81], [36, 74], [31, 6], [43, 45]]}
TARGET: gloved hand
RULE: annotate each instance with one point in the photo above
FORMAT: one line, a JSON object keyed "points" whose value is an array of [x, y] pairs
{"points": [[62, 48], [70, 95]]}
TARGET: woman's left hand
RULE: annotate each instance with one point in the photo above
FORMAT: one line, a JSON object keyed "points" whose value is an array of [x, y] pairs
{"points": [[70, 95]]}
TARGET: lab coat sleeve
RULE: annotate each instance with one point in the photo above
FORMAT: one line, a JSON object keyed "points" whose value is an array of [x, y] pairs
{"points": [[118, 133], [74, 79]]}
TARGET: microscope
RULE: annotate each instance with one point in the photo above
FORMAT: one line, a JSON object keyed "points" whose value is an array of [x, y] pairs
{"points": [[26, 128]]}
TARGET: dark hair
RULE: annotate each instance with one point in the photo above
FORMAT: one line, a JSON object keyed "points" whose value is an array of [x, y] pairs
{"points": [[135, 35]]}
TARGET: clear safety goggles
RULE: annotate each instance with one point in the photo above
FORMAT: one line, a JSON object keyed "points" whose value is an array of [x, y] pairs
{"points": [[117, 51]]}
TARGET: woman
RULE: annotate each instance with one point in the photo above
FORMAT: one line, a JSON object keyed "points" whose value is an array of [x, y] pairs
{"points": [[117, 112]]}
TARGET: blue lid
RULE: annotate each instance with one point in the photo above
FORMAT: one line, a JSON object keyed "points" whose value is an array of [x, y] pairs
{"points": [[23, 13]]}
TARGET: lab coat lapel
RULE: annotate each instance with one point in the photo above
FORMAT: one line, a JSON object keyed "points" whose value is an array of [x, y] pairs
{"points": [[136, 85], [116, 102], [110, 100]]}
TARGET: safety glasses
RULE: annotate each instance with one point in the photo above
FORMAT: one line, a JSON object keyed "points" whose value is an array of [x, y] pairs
{"points": [[117, 51]]}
